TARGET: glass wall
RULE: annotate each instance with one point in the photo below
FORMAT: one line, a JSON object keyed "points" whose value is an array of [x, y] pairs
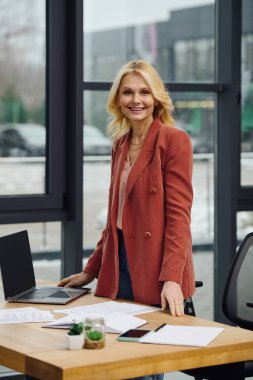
{"points": [[244, 224], [199, 55], [247, 94], [22, 97], [22, 122], [176, 37], [195, 112], [19, 175]]}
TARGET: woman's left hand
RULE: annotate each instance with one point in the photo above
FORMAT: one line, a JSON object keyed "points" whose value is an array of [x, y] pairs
{"points": [[172, 294]]}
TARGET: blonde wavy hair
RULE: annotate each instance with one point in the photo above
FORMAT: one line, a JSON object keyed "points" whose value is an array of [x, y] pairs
{"points": [[118, 124]]}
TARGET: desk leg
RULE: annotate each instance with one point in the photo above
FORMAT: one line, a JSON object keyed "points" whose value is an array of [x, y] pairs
{"points": [[238, 371], [232, 371]]}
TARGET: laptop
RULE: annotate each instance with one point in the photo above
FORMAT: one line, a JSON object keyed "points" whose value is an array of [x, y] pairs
{"points": [[18, 275]]}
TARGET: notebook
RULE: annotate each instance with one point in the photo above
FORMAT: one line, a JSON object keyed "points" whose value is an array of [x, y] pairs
{"points": [[18, 275]]}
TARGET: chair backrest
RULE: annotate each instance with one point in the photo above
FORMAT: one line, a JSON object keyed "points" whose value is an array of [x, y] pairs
{"points": [[239, 286]]}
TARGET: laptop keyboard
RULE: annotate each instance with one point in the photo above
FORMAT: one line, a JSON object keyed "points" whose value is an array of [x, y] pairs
{"points": [[43, 293]]}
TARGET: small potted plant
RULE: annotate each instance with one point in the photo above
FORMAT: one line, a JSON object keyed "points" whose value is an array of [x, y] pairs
{"points": [[75, 336], [94, 332]]}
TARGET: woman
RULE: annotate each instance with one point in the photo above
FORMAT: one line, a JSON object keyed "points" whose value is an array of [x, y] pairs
{"points": [[145, 251]]}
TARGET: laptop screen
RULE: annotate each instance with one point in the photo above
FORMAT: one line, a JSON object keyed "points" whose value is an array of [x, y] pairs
{"points": [[16, 263]]}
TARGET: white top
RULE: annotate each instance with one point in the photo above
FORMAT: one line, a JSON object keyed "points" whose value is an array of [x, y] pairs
{"points": [[122, 191]]}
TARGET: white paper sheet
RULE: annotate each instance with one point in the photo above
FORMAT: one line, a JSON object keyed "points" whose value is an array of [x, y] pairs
{"points": [[64, 322], [24, 315], [119, 322], [105, 308], [115, 322], [183, 335]]}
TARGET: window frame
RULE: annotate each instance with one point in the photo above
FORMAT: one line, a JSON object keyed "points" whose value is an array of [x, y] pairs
{"points": [[48, 205]]}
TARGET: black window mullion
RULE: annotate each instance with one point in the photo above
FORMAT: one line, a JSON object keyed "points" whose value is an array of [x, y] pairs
{"points": [[56, 97], [227, 149], [72, 227]]}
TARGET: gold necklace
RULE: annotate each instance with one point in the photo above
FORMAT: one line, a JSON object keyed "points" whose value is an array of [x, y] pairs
{"points": [[135, 149], [142, 140], [140, 143]]}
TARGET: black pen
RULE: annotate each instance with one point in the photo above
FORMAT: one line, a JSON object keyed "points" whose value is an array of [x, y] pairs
{"points": [[158, 328]]}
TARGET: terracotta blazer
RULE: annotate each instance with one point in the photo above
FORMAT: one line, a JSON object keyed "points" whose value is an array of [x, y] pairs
{"points": [[156, 218]]}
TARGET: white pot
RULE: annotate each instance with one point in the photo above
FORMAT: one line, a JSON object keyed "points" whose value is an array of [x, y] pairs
{"points": [[74, 342]]}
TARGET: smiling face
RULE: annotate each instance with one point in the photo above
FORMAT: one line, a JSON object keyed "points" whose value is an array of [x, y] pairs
{"points": [[136, 99]]}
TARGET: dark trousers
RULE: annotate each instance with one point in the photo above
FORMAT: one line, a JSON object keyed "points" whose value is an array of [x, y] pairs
{"points": [[125, 286]]}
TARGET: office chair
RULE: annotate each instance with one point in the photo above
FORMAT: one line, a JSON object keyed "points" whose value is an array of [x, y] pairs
{"points": [[237, 305]]}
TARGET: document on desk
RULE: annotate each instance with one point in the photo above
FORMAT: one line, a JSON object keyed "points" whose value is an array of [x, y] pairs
{"points": [[114, 323], [109, 307], [183, 335], [24, 315]]}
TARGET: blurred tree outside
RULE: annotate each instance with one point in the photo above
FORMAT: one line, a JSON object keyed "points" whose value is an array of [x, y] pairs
{"points": [[22, 61], [12, 108]]}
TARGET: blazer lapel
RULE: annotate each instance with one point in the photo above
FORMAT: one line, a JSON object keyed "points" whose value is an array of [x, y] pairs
{"points": [[120, 158], [144, 157]]}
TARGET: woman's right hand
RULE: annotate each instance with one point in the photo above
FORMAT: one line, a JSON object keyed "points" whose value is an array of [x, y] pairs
{"points": [[78, 279]]}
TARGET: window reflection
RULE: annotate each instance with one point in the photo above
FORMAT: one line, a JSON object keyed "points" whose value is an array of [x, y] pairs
{"points": [[22, 97], [247, 136], [166, 36], [194, 112], [247, 95], [244, 224], [22, 140], [194, 60]]}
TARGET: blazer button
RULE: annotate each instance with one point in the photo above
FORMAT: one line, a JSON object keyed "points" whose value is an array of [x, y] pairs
{"points": [[147, 235], [153, 190]]}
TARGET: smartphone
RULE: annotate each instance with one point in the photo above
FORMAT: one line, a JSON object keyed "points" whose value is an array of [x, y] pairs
{"points": [[133, 335]]}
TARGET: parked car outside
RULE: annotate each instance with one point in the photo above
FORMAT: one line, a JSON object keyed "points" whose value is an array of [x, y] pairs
{"points": [[29, 140], [202, 144], [95, 142], [22, 140]]}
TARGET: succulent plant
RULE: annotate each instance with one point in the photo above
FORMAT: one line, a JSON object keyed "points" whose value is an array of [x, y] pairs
{"points": [[94, 335], [76, 328]]}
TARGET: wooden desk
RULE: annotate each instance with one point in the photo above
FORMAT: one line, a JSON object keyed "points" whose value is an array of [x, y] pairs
{"points": [[41, 352]]}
